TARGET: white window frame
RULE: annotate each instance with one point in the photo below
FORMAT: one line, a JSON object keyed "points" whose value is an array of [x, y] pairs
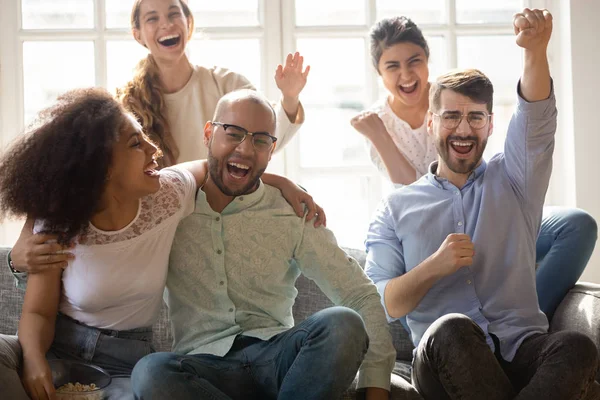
{"points": [[277, 33]]}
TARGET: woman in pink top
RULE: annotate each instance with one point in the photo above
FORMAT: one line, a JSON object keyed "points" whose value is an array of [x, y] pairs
{"points": [[395, 129]]}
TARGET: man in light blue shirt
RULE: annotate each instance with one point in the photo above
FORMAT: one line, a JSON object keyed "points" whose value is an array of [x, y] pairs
{"points": [[230, 287], [455, 251]]}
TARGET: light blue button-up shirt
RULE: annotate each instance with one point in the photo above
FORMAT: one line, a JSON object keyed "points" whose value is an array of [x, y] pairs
{"points": [[500, 208], [233, 273]]}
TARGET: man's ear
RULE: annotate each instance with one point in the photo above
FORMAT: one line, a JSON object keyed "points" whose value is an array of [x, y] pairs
{"points": [[491, 127], [208, 133], [272, 150], [138, 36]]}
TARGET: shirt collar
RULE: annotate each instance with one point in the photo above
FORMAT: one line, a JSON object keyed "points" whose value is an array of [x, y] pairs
{"points": [[443, 183], [238, 204]]}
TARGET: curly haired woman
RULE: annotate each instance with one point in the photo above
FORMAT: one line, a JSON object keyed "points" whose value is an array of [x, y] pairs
{"points": [[87, 174]]}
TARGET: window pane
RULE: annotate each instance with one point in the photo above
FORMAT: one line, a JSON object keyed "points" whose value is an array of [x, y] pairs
{"points": [[345, 199], [225, 12], [481, 12], [437, 60], [239, 55], [47, 74], [122, 57], [118, 13], [330, 12], [334, 93], [58, 14], [500, 59], [421, 12]]}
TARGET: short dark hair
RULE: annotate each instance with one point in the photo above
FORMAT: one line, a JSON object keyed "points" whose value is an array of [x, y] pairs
{"points": [[390, 31], [58, 170], [468, 82]]}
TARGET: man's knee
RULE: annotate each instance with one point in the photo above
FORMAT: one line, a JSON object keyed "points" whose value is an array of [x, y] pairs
{"points": [[344, 330], [453, 330], [149, 372], [578, 350]]}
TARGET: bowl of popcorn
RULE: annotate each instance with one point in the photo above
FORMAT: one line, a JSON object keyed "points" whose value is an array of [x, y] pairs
{"points": [[75, 380]]}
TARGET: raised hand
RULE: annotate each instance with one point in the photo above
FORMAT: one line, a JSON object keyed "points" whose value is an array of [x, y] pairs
{"points": [[291, 78], [368, 123], [533, 28]]}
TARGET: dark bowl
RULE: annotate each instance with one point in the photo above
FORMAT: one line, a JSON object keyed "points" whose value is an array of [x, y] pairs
{"points": [[67, 371]]}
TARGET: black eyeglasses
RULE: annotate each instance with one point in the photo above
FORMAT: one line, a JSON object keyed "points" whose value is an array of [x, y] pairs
{"points": [[452, 119], [235, 135]]}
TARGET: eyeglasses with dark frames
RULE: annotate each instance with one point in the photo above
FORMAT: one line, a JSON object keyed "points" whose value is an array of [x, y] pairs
{"points": [[475, 119], [262, 141]]}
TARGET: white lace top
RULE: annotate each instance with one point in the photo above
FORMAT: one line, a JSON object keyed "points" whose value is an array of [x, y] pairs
{"points": [[414, 144], [117, 278]]}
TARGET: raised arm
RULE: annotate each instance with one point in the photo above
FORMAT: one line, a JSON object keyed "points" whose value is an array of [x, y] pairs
{"points": [[529, 141], [398, 168], [533, 29], [36, 331]]}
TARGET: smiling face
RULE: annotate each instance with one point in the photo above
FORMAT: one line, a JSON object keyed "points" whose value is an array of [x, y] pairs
{"points": [[236, 169], [133, 173], [404, 72], [163, 27], [460, 149]]}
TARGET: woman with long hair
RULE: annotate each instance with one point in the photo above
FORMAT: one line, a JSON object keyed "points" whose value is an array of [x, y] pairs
{"points": [[173, 99]]}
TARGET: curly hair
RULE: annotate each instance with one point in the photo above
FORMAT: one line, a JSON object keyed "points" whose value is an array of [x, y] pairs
{"points": [[143, 95], [57, 171]]}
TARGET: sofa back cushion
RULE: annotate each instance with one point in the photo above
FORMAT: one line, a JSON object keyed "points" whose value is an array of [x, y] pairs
{"points": [[310, 300]]}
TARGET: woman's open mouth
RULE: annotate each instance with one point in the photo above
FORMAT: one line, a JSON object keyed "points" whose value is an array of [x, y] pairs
{"points": [[169, 40], [409, 87]]}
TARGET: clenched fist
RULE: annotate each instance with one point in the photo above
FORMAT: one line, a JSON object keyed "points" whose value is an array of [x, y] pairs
{"points": [[369, 124], [456, 251], [533, 28]]}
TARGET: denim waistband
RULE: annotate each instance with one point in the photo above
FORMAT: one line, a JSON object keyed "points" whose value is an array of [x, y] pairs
{"points": [[65, 322]]}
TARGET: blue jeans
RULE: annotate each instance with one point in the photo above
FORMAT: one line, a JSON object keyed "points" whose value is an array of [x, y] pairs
{"points": [[115, 351], [316, 359], [564, 246]]}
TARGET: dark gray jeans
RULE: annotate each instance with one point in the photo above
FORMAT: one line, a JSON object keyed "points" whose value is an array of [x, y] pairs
{"points": [[453, 361]]}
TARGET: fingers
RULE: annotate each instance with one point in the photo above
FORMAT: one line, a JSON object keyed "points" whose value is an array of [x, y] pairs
{"points": [[312, 208], [458, 237], [52, 260], [321, 217], [306, 71], [49, 389], [44, 237]]}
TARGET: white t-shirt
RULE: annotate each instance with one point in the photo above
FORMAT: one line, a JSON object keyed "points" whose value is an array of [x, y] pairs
{"points": [[193, 105], [414, 144], [117, 278]]}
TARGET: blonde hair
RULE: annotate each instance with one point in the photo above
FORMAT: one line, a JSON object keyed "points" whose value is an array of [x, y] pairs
{"points": [[143, 95]]}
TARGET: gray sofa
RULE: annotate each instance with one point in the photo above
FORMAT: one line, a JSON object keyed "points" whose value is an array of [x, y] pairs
{"points": [[578, 311]]}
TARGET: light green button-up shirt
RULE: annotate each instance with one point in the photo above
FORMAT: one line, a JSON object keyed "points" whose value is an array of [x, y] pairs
{"points": [[233, 273]]}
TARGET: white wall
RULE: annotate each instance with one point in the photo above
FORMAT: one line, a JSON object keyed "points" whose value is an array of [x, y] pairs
{"points": [[575, 63]]}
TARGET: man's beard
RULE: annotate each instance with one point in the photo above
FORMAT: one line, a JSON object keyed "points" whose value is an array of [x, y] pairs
{"points": [[216, 174], [460, 166]]}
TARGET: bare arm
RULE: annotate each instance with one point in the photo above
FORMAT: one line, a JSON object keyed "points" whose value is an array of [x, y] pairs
{"points": [[36, 331], [533, 29], [198, 168], [398, 168]]}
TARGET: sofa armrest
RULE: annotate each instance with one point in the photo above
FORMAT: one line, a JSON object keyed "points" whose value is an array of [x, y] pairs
{"points": [[580, 311]]}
